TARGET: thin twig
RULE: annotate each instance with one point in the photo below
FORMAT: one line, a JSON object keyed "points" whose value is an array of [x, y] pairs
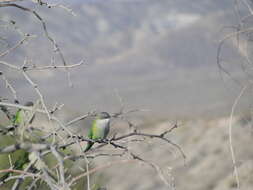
{"points": [[230, 136], [15, 46], [55, 66], [44, 26], [35, 86]]}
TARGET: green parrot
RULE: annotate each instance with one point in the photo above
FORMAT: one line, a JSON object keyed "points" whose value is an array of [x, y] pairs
{"points": [[20, 114], [18, 165], [21, 120], [99, 129]]}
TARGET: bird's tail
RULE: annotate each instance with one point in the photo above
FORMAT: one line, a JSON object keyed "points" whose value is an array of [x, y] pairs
{"points": [[89, 145]]}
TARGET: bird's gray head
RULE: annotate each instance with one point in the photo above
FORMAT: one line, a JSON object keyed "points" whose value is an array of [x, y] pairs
{"points": [[29, 104], [104, 115]]}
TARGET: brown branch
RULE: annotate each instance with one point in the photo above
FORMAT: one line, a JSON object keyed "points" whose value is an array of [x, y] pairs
{"points": [[28, 174], [9, 1], [16, 171]]}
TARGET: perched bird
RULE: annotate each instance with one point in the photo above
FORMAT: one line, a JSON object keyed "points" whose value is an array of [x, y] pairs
{"points": [[20, 114], [99, 129], [22, 119]]}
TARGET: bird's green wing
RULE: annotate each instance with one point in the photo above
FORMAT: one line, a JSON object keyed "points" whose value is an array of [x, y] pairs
{"points": [[21, 117], [96, 132], [18, 119], [91, 135]]}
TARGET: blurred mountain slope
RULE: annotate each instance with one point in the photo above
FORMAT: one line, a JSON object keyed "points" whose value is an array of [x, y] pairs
{"points": [[208, 164]]}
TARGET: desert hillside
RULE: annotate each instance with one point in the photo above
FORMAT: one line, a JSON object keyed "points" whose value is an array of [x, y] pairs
{"points": [[208, 163]]}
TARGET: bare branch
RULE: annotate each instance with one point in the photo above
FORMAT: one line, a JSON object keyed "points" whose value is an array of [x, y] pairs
{"points": [[26, 146], [15, 46], [35, 86], [54, 67], [9, 86], [44, 26]]}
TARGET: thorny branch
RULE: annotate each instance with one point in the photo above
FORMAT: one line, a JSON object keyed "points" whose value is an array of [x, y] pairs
{"points": [[59, 140], [115, 142], [44, 26]]}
